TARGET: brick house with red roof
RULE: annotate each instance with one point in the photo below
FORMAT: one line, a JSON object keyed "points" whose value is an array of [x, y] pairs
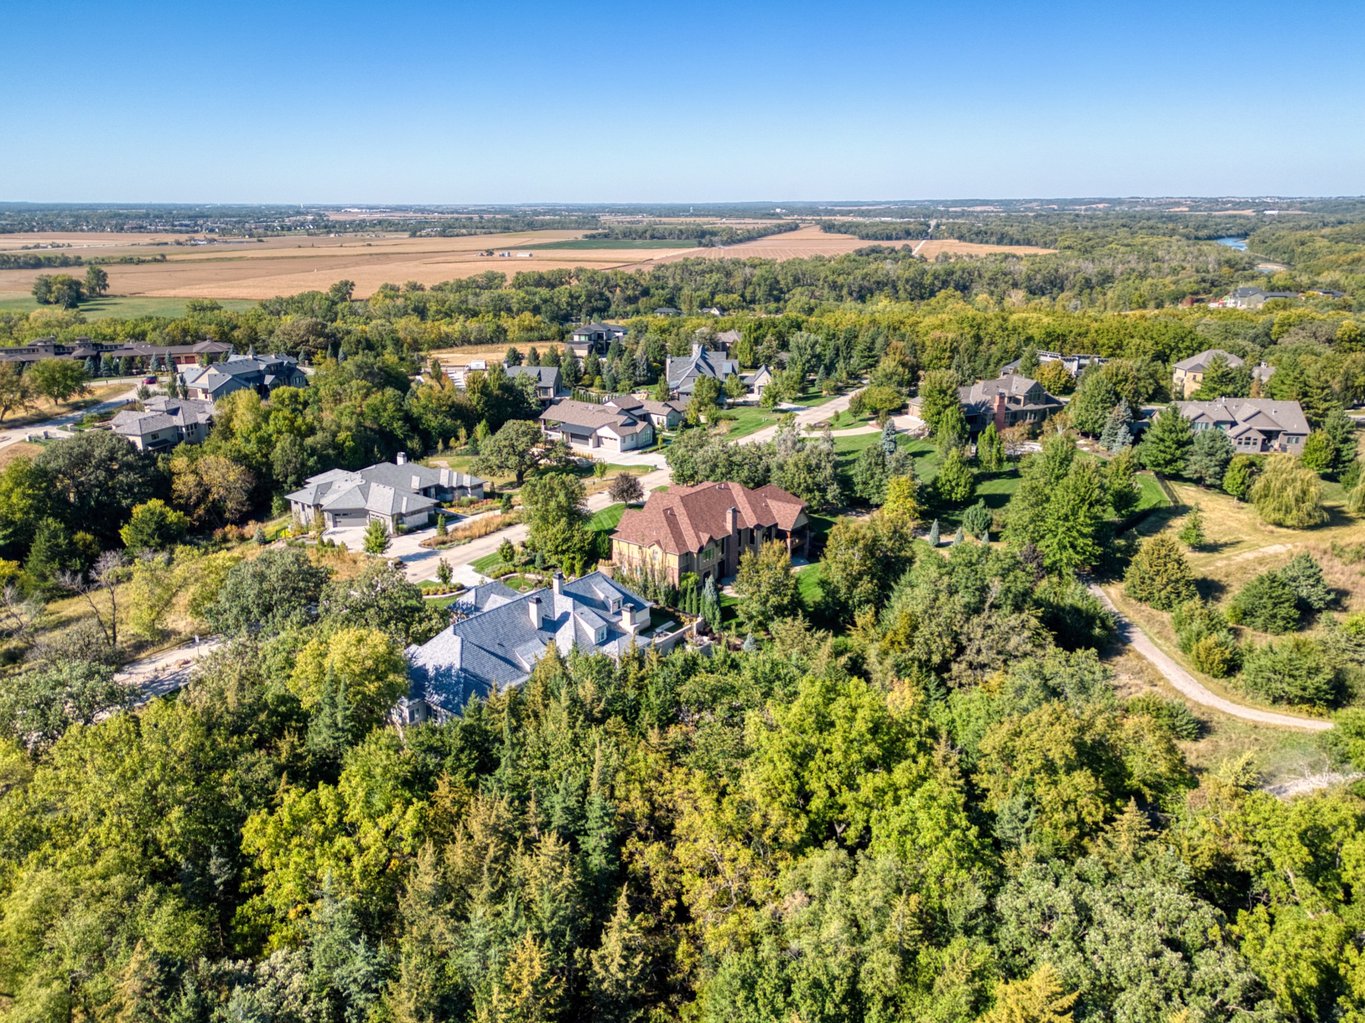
{"points": [[704, 529]]}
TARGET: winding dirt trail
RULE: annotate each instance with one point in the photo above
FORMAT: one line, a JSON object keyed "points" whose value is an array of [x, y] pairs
{"points": [[1191, 687]]}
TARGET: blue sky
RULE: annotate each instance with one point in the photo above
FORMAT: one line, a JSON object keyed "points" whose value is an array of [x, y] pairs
{"points": [[303, 101]]}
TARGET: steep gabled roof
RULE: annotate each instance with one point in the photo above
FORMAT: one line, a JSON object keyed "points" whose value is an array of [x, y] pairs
{"points": [[685, 519], [498, 644]]}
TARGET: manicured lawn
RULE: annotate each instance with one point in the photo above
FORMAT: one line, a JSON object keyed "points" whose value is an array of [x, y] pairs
{"points": [[487, 563], [808, 586], [607, 518], [846, 420], [1150, 495], [747, 419]]}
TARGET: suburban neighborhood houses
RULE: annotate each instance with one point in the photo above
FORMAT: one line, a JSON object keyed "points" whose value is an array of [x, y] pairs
{"points": [[1254, 425], [704, 529], [607, 427], [1008, 400], [400, 494], [241, 372], [165, 422], [498, 635]]}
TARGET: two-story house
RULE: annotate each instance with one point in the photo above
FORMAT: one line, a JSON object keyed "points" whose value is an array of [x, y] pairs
{"points": [[705, 528], [1256, 426], [1008, 400]]}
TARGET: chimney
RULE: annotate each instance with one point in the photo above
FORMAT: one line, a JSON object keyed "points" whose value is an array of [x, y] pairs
{"points": [[999, 410], [558, 583], [731, 520], [533, 605], [401, 458]]}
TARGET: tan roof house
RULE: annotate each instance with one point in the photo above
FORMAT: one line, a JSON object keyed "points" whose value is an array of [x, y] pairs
{"points": [[1187, 375], [704, 529]]}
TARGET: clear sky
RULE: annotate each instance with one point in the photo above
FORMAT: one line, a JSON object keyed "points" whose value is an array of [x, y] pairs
{"points": [[455, 102]]}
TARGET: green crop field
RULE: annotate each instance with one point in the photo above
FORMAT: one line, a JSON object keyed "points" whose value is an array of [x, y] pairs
{"points": [[133, 306]]}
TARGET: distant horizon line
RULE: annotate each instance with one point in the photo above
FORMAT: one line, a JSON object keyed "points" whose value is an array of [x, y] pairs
{"points": [[566, 204]]}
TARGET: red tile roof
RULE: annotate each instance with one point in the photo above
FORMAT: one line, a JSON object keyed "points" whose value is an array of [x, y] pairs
{"points": [[685, 519]]}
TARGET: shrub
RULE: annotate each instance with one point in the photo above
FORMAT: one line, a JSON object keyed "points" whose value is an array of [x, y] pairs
{"points": [[1159, 575], [1174, 715], [1267, 603], [1195, 619], [1216, 654], [1240, 474], [1294, 670]]}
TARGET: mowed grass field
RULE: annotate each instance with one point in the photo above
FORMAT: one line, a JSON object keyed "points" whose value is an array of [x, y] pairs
{"points": [[129, 307], [253, 269]]}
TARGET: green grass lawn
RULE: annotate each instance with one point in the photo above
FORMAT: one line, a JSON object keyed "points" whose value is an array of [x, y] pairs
{"points": [[607, 518], [1149, 493], [614, 243], [846, 420], [747, 419], [487, 563], [808, 586], [132, 306]]}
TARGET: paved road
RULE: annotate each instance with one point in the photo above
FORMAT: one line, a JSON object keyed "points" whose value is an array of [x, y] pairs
{"points": [[1191, 687], [13, 434], [422, 563]]}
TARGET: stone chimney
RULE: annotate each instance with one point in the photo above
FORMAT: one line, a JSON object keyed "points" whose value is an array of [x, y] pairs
{"points": [[401, 458], [533, 605], [557, 583], [732, 520], [998, 411]]}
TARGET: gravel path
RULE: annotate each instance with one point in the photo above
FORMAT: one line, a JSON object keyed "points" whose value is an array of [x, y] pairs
{"points": [[1191, 687]]}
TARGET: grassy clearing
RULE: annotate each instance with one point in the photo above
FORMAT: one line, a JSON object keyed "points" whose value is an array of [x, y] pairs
{"points": [[23, 449], [744, 420], [123, 306]]}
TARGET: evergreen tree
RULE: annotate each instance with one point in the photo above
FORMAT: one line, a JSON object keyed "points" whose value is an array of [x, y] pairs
{"points": [[955, 480], [990, 449], [888, 441], [1166, 445], [933, 534], [377, 537], [1159, 575], [1117, 434], [1208, 457], [1192, 532]]}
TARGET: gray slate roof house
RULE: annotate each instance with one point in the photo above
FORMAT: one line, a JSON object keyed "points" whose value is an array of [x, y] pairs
{"points": [[500, 634], [1252, 297], [165, 422], [548, 381], [242, 372], [683, 371], [1008, 400], [606, 426], [1254, 425], [397, 493], [664, 415]]}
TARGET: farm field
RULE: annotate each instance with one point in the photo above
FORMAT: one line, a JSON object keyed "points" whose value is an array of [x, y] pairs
{"points": [[935, 247], [252, 269], [242, 269]]}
